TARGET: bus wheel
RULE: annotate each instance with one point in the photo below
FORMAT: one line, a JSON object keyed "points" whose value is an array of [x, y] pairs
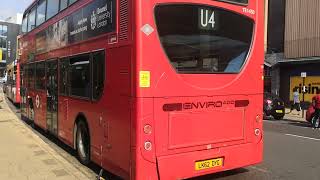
{"points": [[316, 122], [83, 143]]}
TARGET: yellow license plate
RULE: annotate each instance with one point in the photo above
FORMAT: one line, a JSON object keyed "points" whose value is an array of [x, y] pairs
{"points": [[206, 164], [279, 111]]}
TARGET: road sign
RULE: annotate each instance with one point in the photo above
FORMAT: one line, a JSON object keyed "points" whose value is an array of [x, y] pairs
{"points": [[303, 74]]}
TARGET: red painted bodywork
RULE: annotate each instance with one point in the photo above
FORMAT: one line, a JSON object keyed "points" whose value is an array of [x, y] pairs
{"points": [[13, 89], [179, 139]]}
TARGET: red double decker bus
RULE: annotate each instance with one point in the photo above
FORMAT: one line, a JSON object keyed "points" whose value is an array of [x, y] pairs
{"points": [[12, 86], [157, 89]]}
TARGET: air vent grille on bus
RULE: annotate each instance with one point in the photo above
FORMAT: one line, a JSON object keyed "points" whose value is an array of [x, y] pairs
{"points": [[124, 20]]}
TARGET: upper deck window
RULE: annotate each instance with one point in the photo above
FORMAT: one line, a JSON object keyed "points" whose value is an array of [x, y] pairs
{"points": [[32, 20], [203, 39], [72, 1], [52, 8], [24, 24], [41, 12], [63, 4]]}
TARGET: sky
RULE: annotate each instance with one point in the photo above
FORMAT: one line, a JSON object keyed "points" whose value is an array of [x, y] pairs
{"points": [[11, 7]]}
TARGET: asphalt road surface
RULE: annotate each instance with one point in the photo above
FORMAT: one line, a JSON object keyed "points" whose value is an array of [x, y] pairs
{"points": [[291, 152]]}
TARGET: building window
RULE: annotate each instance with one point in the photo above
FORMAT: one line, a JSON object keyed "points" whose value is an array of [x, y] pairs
{"points": [[3, 42], [63, 4], [64, 78], [32, 20], [98, 74], [52, 8], [40, 76], [80, 76], [41, 12], [3, 30]]}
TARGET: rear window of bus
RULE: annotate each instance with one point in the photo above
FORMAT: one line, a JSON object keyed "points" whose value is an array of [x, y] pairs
{"points": [[204, 39]]}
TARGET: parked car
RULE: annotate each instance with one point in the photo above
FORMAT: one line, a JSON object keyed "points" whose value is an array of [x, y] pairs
{"points": [[273, 106]]}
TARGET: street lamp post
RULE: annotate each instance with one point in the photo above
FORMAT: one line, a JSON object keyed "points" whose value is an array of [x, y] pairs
{"points": [[304, 90]]}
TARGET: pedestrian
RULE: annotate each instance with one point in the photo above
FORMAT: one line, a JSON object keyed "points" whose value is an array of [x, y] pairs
{"points": [[296, 101], [316, 104]]}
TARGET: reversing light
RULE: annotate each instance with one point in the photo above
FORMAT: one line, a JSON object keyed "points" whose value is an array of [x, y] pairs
{"points": [[147, 146], [257, 132], [147, 129], [269, 101]]}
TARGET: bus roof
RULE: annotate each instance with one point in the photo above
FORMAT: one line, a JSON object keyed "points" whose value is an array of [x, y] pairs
{"points": [[30, 7]]}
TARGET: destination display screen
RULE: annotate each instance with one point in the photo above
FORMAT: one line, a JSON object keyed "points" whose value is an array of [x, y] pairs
{"points": [[92, 20], [207, 19]]}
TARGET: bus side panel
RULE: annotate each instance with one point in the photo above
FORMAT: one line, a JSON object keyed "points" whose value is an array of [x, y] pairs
{"points": [[144, 164], [40, 108], [63, 117], [18, 96], [116, 146]]}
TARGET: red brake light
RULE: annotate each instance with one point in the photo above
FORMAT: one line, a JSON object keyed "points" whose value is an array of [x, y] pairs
{"points": [[147, 129], [269, 101]]}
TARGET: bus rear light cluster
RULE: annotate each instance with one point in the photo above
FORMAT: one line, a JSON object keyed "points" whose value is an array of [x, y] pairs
{"points": [[148, 146], [258, 118], [147, 129], [257, 132]]}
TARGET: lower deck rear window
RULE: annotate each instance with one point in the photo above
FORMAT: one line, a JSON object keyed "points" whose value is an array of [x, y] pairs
{"points": [[203, 39]]}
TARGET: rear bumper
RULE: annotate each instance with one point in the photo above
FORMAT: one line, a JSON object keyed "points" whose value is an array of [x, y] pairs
{"points": [[182, 166]]}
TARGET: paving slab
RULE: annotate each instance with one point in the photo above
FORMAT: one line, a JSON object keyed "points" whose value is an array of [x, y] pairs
{"points": [[24, 155]]}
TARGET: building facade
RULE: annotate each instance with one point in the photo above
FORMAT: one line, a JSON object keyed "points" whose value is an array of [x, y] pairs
{"points": [[294, 48], [8, 44], [16, 19]]}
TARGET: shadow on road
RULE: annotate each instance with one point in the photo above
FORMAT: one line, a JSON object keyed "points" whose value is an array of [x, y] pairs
{"points": [[222, 174], [94, 167], [300, 124]]}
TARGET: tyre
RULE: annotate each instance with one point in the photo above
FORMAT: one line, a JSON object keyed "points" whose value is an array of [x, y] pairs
{"points": [[278, 117], [316, 122], [83, 143]]}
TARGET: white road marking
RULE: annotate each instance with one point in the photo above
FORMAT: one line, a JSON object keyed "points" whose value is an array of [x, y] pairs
{"points": [[315, 139]]}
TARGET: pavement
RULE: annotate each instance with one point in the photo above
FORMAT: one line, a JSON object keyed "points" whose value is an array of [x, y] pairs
{"points": [[294, 115], [25, 155]]}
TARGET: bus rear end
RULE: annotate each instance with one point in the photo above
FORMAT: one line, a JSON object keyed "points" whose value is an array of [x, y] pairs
{"points": [[199, 87]]}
